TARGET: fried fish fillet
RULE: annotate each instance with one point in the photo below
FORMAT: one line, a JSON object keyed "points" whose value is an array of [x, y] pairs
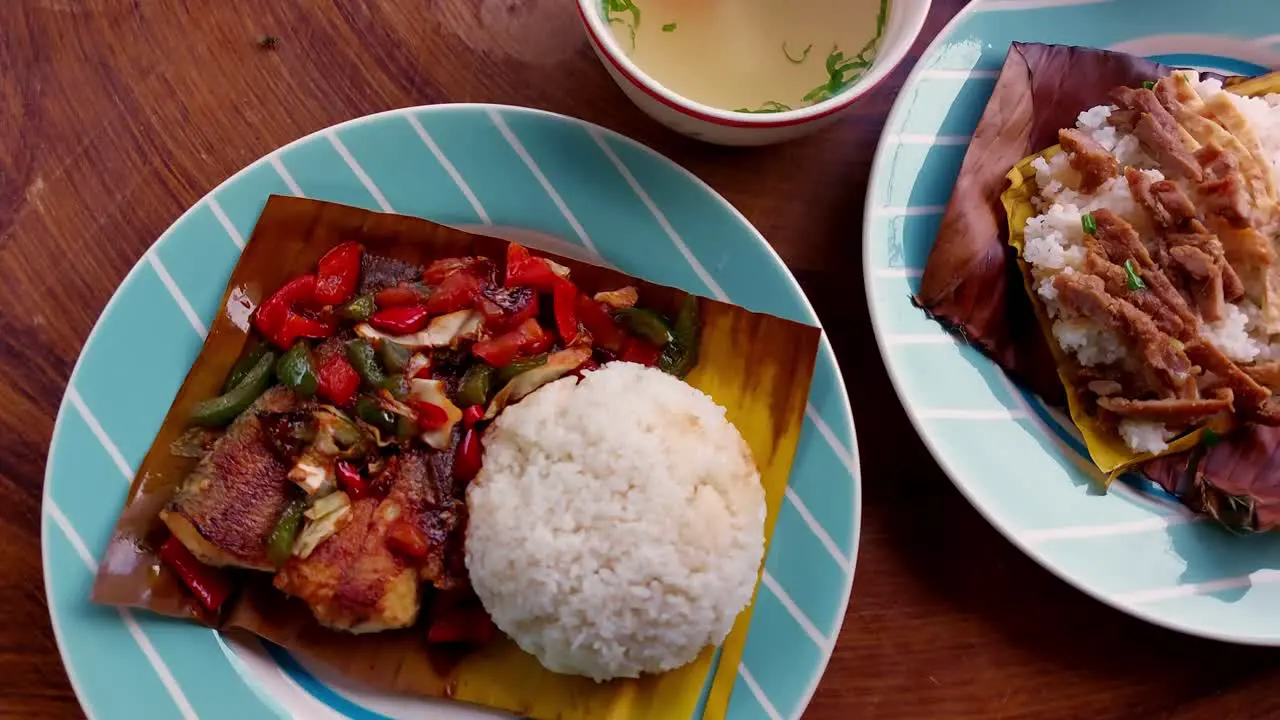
{"points": [[225, 509]]}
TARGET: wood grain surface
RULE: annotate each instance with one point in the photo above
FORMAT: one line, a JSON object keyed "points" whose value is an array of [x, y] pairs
{"points": [[116, 115]]}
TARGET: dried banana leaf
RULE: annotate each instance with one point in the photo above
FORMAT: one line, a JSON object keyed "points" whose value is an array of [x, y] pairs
{"points": [[1236, 481], [764, 394]]}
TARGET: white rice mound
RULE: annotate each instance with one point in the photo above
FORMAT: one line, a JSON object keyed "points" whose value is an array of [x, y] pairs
{"points": [[617, 523]]}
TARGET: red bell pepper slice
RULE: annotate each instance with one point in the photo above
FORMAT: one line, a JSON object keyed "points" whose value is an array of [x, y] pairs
{"points": [[506, 308], [472, 416], [440, 270], [500, 351], [565, 304], [603, 328], [457, 292], [338, 273], [350, 479], [210, 586], [429, 415], [400, 295], [524, 270], [400, 320], [640, 351], [273, 311], [337, 381], [407, 539], [466, 462], [297, 326]]}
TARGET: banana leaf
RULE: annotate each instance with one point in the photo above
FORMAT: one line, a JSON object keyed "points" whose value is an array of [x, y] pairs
{"points": [[1235, 480], [764, 393]]}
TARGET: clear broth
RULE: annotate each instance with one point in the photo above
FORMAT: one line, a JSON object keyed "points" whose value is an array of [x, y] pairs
{"points": [[750, 55]]}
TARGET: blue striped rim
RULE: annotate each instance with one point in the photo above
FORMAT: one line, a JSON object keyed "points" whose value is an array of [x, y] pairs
{"points": [[623, 172]]}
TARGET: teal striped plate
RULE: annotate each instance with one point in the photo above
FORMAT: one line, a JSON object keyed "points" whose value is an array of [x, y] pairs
{"points": [[1021, 464], [522, 174]]}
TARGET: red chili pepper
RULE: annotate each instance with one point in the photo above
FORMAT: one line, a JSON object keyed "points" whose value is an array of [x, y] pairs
{"points": [[524, 270], [439, 270], [640, 351], [472, 415], [400, 295], [407, 539], [565, 301], [457, 292], [273, 311], [470, 625], [338, 273], [500, 351], [604, 330], [350, 479], [210, 586], [466, 462], [337, 381], [400, 320], [430, 415]]}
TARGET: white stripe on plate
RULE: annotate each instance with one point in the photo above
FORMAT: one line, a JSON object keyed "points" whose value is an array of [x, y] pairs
{"points": [[359, 171], [934, 338], [963, 414], [658, 215], [449, 168], [144, 643], [1002, 5], [1080, 532], [542, 179], [941, 74], [225, 221], [921, 139], [897, 272], [818, 531], [95, 427], [756, 691], [176, 292], [908, 211], [1268, 40], [1260, 577], [796, 613], [284, 174]]}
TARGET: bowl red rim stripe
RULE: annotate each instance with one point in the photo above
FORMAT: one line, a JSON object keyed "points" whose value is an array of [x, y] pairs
{"points": [[727, 122]]}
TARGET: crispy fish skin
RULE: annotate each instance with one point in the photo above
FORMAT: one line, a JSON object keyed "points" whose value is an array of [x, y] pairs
{"points": [[225, 509], [353, 581]]}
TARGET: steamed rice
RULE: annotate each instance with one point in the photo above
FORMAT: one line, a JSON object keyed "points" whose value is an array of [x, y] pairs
{"points": [[617, 524], [1053, 244]]}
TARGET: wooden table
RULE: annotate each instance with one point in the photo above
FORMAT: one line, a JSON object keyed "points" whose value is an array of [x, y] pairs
{"points": [[115, 115]]}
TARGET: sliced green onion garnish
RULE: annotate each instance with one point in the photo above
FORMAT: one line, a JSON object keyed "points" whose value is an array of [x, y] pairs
{"points": [[1148, 84], [1089, 224], [1132, 279], [669, 27]]}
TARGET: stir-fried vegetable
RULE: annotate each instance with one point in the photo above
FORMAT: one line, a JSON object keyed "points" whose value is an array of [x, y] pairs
{"points": [[365, 361], [646, 324], [349, 478], [280, 542], [221, 410], [681, 354], [372, 412], [359, 309], [466, 464], [337, 381], [400, 320], [338, 274], [521, 366], [244, 365], [209, 585], [393, 356], [326, 517], [295, 372], [475, 385], [434, 412]]}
